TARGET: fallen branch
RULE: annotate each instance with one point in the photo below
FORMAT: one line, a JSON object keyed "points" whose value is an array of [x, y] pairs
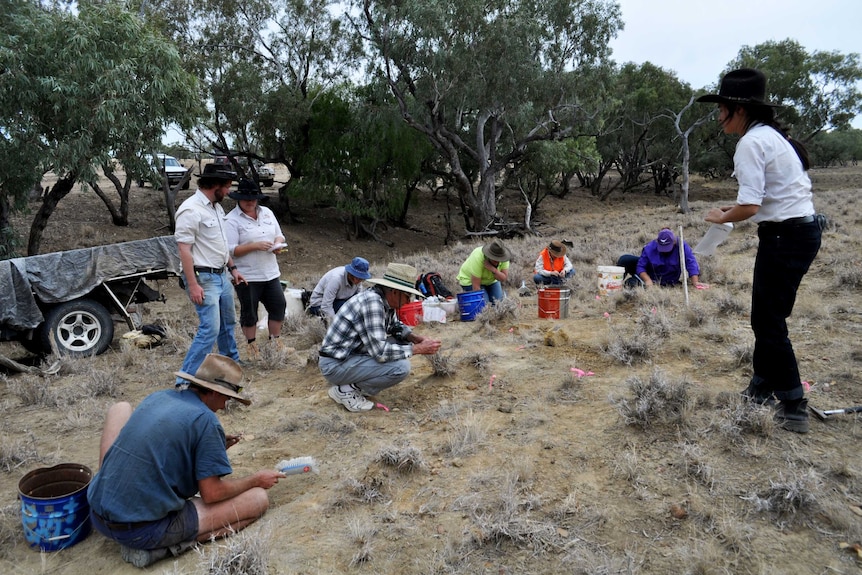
{"points": [[21, 368]]}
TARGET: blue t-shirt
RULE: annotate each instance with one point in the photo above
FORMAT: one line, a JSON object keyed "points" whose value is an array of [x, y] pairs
{"points": [[171, 441]]}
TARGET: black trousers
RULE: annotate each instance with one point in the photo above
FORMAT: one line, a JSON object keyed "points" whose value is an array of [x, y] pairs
{"points": [[784, 254]]}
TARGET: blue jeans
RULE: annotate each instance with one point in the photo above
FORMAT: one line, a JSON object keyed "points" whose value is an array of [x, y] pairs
{"points": [[365, 372], [539, 279], [217, 317], [784, 255], [177, 527], [493, 292]]}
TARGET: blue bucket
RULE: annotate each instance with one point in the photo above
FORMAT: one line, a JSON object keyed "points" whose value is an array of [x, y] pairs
{"points": [[470, 303], [54, 508]]}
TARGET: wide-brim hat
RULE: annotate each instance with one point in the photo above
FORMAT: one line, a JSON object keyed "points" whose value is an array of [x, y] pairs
{"points": [[358, 268], [216, 172], [247, 190], [743, 86], [556, 248], [220, 374], [401, 277], [495, 250]]}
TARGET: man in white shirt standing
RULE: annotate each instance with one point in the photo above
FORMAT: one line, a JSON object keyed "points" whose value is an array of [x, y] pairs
{"points": [[208, 268]]}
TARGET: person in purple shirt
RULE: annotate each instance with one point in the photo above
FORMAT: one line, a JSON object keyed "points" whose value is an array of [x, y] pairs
{"points": [[659, 262]]}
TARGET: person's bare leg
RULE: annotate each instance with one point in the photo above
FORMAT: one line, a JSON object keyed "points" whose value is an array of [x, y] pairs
{"points": [[274, 328], [249, 331], [117, 416], [227, 517]]}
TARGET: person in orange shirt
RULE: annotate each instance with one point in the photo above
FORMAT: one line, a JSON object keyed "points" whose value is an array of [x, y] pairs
{"points": [[553, 266]]}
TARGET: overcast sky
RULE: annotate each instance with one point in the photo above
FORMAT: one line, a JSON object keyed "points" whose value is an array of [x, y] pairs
{"points": [[696, 39]]}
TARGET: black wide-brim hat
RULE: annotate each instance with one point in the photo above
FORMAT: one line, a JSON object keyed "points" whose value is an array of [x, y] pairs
{"points": [[213, 171], [247, 190], [743, 86]]}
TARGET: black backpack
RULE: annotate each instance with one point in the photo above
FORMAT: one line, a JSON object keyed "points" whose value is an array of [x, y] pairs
{"points": [[431, 284]]}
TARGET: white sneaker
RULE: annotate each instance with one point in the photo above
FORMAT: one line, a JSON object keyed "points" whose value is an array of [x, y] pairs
{"points": [[352, 400]]}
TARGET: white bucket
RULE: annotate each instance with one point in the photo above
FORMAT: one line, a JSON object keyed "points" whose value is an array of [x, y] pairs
{"points": [[610, 279], [293, 299]]}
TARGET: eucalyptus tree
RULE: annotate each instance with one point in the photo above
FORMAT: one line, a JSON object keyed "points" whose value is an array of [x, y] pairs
{"points": [[76, 88], [482, 80], [263, 65], [818, 90], [643, 145]]}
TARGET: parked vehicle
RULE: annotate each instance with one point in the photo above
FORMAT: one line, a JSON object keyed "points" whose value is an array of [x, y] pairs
{"points": [[262, 174], [69, 300], [170, 168]]}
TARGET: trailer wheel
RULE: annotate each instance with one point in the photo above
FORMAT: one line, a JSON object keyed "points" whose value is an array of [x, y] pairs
{"points": [[79, 328]]}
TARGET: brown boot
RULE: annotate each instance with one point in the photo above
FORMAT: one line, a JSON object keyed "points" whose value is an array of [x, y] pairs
{"points": [[253, 352]]}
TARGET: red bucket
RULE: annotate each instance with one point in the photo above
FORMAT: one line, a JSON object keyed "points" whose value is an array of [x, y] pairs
{"points": [[411, 313]]}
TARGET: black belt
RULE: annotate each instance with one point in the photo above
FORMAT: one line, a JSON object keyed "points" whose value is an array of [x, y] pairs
{"points": [[203, 270], [325, 354], [120, 526], [789, 222]]}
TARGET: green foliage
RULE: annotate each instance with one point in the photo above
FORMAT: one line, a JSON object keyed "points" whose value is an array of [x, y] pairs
{"points": [[80, 88], [481, 80], [819, 90]]}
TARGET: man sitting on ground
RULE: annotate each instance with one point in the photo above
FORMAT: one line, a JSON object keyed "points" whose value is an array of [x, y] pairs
{"points": [[153, 461], [366, 348]]}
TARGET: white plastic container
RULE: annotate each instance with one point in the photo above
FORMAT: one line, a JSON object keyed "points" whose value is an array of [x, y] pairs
{"points": [[293, 299], [610, 279], [716, 234]]}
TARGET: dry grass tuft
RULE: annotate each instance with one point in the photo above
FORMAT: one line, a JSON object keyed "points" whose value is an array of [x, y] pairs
{"points": [[466, 434], [789, 495], [504, 509], [10, 529], [98, 383], [442, 365], [506, 309], [35, 391], [737, 418], [243, 553], [362, 532], [16, 452], [654, 401], [404, 458], [627, 348]]}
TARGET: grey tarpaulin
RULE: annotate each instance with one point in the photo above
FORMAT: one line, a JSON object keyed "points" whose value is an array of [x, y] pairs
{"points": [[63, 276]]}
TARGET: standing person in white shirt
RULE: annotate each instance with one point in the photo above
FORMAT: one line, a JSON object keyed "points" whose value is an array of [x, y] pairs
{"points": [[255, 238], [208, 268], [774, 192]]}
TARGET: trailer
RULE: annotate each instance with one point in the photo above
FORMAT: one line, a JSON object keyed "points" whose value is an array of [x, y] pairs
{"points": [[69, 300]]}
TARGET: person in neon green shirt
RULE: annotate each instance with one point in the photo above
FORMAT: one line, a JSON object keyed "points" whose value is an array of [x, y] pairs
{"points": [[485, 268]]}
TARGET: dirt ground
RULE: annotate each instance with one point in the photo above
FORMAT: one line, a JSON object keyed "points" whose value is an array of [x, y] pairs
{"points": [[529, 456]]}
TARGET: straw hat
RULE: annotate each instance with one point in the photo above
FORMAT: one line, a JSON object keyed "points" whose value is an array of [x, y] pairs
{"points": [[220, 374], [399, 276], [496, 251]]}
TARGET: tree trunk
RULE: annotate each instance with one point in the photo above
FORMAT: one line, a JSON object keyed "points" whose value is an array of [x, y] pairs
{"points": [[49, 203]]}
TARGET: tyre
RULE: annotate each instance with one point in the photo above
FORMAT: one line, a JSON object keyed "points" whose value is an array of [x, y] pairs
{"points": [[266, 183], [79, 328], [186, 185]]}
